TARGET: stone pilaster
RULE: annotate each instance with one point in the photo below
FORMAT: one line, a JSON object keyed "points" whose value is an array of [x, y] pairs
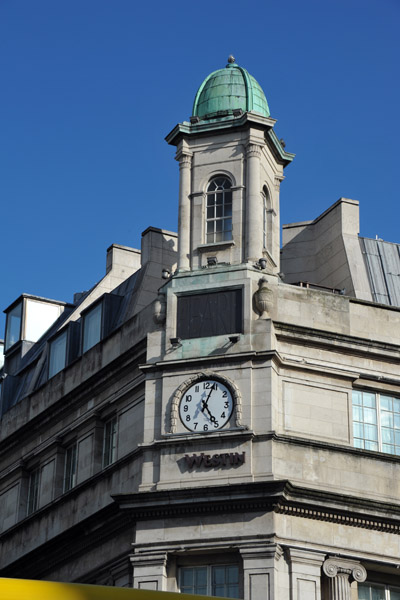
{"points": [[185, 163], [259, 571], [254, 205], [341, 573], [149, 570]]}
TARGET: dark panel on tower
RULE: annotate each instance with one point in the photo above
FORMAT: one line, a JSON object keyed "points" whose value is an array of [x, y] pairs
{"points": [[212, 313]]}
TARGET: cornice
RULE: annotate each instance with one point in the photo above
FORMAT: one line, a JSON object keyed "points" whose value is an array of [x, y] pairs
{"points": [[320, 338]]}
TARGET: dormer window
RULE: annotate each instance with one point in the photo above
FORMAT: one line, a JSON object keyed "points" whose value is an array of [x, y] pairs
{"points": [[92, 327], [58, 354], [99, 320], [13, 327], [29, 317], [219, 210], [63, 348]]}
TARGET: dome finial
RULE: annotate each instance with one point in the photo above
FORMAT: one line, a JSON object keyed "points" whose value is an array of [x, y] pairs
{"points": [[231, 59]]}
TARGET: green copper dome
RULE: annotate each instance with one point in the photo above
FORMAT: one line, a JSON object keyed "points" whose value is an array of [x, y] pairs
{"points": [[227, 90]]}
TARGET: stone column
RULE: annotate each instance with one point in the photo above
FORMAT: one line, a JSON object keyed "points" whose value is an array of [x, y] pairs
{"points": [[254, 205], [341, 573], [185, 163]]}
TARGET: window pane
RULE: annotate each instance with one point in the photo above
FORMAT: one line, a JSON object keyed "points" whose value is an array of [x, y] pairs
{"points": [[225, 581], [92, 328], [387, 435], [386, 419], [369, 399], [358, 430], [357, 413], [193, 580], [396, 405], [357, 397], [13, 329], [210, 200], [389, 449], [386, 403], [58, 349], [371, 432], [228, 210], [370, 446], [394, 594], [369, 415], [110, 442], [33, 491], [70, 468]]}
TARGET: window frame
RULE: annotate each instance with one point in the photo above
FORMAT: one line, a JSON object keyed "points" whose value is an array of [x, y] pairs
{"points": [[33, 491], [70, 482], [210, 584], [19, 304], [366, 424], [220, 190], [60, 334], [111, 452], [109, 307], [386, 588]]}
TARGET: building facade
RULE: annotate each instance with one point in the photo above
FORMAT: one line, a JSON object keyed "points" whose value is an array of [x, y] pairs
{"points": [[217, 415]]}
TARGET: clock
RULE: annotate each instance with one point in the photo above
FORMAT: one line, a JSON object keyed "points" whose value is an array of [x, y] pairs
{"points": [[206, 406]]}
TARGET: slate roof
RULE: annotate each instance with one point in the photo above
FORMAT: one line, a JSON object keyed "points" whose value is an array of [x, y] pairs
{"points": [[382, 261]]}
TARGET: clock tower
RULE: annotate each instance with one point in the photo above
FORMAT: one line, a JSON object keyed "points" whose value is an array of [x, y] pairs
{"points": [[231, 165]]}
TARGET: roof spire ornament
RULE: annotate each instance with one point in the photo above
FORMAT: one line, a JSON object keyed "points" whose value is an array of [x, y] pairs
{"points": [[231, 59]]}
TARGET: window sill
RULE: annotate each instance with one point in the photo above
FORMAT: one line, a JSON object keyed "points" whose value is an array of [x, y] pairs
{"points": [[215, 246]]}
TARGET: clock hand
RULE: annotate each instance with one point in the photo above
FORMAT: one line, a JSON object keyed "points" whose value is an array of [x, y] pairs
{"points": [[205, 402]]}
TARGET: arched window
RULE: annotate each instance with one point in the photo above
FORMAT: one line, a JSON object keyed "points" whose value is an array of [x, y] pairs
{"points": [[267, 220], [219, 210]]}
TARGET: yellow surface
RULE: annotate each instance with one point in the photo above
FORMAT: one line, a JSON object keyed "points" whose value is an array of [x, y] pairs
{"points": [[26, 589]]}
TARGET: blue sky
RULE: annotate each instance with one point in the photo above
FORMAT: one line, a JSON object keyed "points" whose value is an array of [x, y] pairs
{"points": [[90, 88]]}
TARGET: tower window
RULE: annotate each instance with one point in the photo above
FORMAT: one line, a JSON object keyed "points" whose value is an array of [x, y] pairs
{"points": [[219, 210]]}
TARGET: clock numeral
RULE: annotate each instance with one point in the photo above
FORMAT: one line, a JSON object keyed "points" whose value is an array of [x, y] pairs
{"points": [[185, 408], [225, 394], [226, 404], [188, 398], [209, 385], [205, 428], [195, 425], [223, 415], [216, 424], [187, 417], [197, 388]]}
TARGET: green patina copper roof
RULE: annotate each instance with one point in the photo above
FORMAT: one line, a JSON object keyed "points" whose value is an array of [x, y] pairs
{"points": [[229, 89]]}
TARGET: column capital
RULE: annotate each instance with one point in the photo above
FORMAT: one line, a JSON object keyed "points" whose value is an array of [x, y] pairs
{"points": [[340, 566], [184, 159], [253, 150]]}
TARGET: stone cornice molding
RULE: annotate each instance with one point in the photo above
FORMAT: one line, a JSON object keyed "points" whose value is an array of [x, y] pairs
{"points": [[320, 338]]}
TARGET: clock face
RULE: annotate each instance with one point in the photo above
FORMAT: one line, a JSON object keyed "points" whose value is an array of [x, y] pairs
{"points": [[206, 406]]}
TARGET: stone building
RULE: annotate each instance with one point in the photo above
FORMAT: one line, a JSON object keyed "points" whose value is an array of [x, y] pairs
{"points": [[216, 415]]}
